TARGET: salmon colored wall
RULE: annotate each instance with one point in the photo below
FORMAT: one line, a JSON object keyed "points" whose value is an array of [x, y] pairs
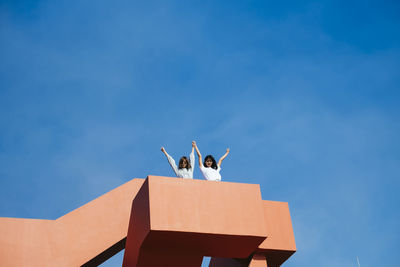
{"points": [[279, 226], [258, 261], [73, 239], [195, 217]]}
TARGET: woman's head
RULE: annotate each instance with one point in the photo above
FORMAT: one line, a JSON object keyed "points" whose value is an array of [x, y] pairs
{"points": [[184, 163], [209, 162]]}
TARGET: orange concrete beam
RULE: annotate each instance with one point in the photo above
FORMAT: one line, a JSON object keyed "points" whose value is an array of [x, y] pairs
{"points": [[203, 217], [88, 235], [275, 249], [23, 242], [258, 260], [280, 244]]}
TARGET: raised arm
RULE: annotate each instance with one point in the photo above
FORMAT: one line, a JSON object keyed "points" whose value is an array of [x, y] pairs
{"points": [[170, 160], [198, 153], [191, 156], [164, 151], [223, 157]]}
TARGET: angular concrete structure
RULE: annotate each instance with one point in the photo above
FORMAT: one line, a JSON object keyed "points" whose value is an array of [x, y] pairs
{"points": [[276, 248], [165, 222], [195, 216], [88, 235]]}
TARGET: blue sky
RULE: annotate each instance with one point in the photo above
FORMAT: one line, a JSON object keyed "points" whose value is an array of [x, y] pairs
{"points": [[305, 93]]}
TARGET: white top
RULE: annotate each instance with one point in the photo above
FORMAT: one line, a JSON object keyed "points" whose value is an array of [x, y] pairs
{"points": [[182, 173], [210, 173]]}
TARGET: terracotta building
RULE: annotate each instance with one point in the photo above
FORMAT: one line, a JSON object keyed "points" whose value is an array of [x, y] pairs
{"points": [[161, 222]]}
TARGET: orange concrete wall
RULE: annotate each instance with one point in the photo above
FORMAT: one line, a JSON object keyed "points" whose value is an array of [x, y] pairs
{"points": [[23, 242], [258, 260], [207, 218], [279, 227], [206, 207], [277, 247], [280, 244], [196, 216], [73, 239]]}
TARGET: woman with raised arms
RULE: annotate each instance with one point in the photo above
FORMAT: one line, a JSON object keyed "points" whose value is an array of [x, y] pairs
{"points": [[210, 168], [185, 167]]}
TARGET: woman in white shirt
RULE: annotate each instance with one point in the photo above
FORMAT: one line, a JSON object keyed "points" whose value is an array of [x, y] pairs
{"points": [[185, 167], [210, 168]]}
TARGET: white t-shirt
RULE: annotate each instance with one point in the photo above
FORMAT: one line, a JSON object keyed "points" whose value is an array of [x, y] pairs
{"points": [[211, 174], [182, 173]]}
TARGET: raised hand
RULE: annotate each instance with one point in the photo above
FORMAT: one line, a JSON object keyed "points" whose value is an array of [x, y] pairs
{"points": [[223, 157]]}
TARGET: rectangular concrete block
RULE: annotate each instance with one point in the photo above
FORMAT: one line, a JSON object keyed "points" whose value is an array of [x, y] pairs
{"points": [[218, 219], [280, 244], [206, 207]]}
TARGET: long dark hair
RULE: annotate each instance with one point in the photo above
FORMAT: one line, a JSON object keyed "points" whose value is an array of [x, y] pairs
{"points": [[214, 163], [188, 166]]}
